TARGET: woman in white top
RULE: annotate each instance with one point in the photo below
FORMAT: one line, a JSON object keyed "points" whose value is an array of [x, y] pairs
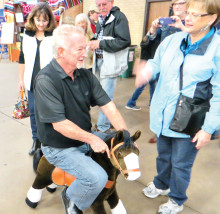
{"points": [[35, 53]]}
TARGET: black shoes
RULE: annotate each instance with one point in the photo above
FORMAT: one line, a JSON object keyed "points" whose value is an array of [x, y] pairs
{"points": [[35, 146], [70, 207]]}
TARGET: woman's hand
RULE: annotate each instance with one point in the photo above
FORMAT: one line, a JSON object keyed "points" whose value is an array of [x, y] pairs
{"points": [[201, 139], [143, 75], [178, 23], [21, 85], [155, 24], [21, 68]]}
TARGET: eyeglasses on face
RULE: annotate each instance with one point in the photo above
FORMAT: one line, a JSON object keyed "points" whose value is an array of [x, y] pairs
{"points": [[179, 4], [102, 5], [195, 15]]}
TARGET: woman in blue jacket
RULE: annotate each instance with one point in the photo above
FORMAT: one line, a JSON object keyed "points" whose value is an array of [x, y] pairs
{"points": [[35, 53], [198, 49]]}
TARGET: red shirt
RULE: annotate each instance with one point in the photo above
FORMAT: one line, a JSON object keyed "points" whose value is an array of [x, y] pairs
{"points": [[92, 27]]}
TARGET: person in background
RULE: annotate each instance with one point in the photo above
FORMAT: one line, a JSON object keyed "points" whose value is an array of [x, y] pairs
{"points": [[35, 53], [93, 15], [64, 95], [149, 44], [218, 26], [81, 20], [197, 51], [111, 51]]}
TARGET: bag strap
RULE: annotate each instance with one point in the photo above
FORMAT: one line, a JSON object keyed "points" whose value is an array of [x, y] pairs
{"points": [[183, 47], [22, 95], [181, 78]]}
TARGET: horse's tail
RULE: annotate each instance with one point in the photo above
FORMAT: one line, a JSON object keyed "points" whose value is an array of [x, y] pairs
{"points": [[36, 159]]}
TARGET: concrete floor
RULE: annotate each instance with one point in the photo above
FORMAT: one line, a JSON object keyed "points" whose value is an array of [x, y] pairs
{"points": [[16, 165]]}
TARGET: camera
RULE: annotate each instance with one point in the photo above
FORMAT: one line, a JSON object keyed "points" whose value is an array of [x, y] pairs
{"points": [[166, 21]]}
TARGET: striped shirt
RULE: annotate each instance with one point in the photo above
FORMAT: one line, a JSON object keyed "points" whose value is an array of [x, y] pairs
{"points": [[100, 35]]}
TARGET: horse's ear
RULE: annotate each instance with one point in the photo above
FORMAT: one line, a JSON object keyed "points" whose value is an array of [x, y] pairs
{"points": [[119, 136], [136, 135]]}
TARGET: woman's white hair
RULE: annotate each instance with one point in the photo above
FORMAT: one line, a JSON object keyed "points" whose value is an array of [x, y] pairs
{"points": [[62, 35], [82, 17]]}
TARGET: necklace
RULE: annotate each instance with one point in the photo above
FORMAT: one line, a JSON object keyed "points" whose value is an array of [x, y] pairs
{"points": [[39, 35]]}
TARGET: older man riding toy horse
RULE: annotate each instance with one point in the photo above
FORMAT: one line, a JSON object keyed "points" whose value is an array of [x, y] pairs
{"points": [[64, 93]]}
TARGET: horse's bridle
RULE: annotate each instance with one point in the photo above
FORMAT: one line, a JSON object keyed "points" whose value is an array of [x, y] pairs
{"points": [[123, 172]]}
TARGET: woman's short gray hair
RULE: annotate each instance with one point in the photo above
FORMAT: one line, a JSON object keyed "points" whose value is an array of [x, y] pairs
{"points": [[62, 35]]}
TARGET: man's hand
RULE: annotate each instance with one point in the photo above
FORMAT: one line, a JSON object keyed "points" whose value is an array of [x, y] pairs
{"points": [[98, 145], [72, 131], [94, 44], [201, 139]]}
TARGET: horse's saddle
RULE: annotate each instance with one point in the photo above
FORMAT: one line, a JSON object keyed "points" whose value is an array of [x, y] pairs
{"points": [[62, 178]]}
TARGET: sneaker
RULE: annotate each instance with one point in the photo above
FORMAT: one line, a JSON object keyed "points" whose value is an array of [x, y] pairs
{"points": [[70, 207], [171, 207], [152, 192], [135, 108]]}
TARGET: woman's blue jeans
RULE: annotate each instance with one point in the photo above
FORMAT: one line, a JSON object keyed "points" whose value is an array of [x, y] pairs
{"points": [[174, 164], [153, 85], [132, 101], [91, 177], [32, 115]]}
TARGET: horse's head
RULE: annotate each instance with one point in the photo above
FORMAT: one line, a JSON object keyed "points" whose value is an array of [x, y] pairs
{"points": [[124, 154]]}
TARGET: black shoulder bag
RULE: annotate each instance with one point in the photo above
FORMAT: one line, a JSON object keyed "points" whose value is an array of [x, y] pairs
{"points": [[190, 112]]}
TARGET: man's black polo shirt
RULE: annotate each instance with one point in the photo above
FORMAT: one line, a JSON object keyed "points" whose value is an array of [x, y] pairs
{"points": [[58, 97]]}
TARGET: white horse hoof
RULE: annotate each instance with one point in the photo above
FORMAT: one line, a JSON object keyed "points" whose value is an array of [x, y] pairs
{"points": [[51, 188], [119, 209], [31, 204], [33, 197]]}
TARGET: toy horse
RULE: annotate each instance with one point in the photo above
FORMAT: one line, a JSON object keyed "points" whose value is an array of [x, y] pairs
{"points": [[124, 159]]}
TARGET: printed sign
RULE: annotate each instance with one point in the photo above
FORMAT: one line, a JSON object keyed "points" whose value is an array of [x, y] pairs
{"points": [[3, 48], [7, 36], [131, 56], [19, 17]]}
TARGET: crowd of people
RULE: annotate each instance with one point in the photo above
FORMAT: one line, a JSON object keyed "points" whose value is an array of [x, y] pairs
{"points": [[76, 68]]}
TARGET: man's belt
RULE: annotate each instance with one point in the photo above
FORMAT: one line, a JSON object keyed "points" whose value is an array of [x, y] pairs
{"points": [[99, 56]]}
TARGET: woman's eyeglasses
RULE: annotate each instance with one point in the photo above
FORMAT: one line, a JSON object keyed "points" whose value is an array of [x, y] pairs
{"points": [[194, 15], [179, 4]]}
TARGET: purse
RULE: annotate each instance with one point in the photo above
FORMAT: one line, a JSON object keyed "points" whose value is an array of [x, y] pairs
{"points": [[21, 107], [190, 113]]}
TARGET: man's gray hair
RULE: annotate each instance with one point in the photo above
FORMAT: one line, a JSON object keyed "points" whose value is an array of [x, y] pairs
{"points": [[62, 35]]}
